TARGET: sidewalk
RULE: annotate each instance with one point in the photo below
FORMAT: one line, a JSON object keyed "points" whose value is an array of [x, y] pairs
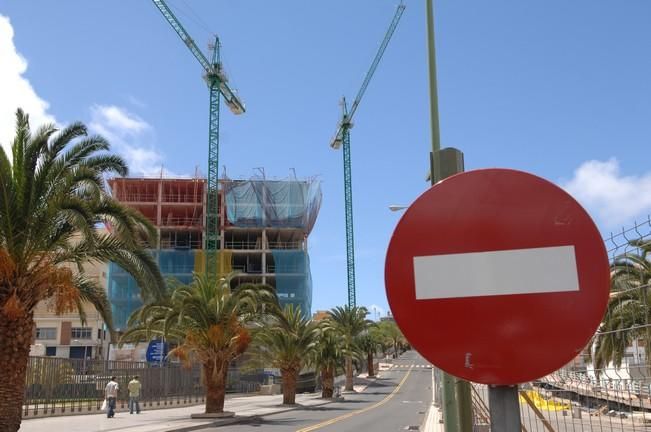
{"points": [[433, 422], [167, 420]]}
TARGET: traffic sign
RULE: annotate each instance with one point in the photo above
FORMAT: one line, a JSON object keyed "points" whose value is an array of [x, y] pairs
{"points": [[497, 276], [156, 351]]}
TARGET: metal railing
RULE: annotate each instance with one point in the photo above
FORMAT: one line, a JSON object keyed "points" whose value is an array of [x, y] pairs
{"points": [[286, 245], [608, 386], [180, 244], [182, 221], [56, 386], [243, 244], [257, 244], [138, 197], [188, 198]]}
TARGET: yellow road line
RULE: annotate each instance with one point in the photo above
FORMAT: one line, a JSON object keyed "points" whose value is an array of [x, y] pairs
{"points": [[363, 410]]}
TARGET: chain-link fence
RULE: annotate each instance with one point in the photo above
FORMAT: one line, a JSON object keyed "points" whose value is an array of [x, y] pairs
{"points": [[56, 386], [607, 387]]}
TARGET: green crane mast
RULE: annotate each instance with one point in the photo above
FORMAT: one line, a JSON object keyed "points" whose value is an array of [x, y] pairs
{"points": [[342, 138], [218, 84]]}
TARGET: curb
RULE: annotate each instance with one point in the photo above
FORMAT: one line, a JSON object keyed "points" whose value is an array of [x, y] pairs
{"points": [[432, 422], [241, 419]]}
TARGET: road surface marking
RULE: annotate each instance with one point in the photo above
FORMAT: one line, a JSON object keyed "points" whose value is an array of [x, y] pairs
{"points": [[368, 408], [506, 272]]}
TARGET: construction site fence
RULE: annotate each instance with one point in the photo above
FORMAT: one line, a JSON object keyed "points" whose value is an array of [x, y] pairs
{"points": [[563, 402], [61, 386], [607, 387]]}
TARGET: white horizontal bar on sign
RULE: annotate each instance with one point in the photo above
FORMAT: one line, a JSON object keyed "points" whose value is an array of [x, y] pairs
{"points": [[506, 272]]}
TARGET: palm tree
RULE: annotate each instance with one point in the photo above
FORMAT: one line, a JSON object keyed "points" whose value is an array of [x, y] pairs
{"points": [[349, 322], [628, 313], [52, 203], [209, 322], [368, 344], [287, 343], [391, 332], [327, 357]]}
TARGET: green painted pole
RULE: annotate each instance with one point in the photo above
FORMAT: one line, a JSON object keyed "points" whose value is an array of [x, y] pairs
{"points": [[450, 412], [433, 92], [456, 393], [464, 405]]}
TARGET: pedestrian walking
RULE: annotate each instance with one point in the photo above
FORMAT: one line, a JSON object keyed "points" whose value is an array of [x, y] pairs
{"points": [[111, 394], [134, 395]]}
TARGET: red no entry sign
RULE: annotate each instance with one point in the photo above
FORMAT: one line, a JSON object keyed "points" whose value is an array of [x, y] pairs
{"points": [[497, 276]]}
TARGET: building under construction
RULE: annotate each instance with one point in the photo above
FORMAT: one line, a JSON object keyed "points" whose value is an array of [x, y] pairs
{"points": [[263, 226]]}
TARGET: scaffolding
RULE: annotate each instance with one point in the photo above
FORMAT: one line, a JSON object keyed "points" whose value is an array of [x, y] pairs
{"points": [[273, 203], [293, 279], [123, 291], [264, 225]]}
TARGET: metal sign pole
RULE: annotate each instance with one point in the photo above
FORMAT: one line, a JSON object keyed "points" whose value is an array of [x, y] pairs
{"points": [[504, 408]]}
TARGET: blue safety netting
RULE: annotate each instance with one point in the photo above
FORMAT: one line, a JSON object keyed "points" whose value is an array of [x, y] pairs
{"points": [[293, 279], [273, 203], [124, 293]]}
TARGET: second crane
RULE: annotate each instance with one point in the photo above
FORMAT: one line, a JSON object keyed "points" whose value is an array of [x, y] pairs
{"points": [[342, 138]]}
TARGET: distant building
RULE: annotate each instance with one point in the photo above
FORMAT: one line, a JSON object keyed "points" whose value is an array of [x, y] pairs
{"points": [[65, 335], [320, 315], [389, 317]]}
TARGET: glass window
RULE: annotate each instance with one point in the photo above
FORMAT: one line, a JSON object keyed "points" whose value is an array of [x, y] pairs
{"points": [[50, 351], [46, 333], [81, 332]]}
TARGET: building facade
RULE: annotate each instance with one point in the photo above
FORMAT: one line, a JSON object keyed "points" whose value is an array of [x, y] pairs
{"points": [[263, 234], [65, 335]]}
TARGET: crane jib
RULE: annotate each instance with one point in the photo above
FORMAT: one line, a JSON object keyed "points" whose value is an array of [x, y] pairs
{"points": [[342, 139], [217, 82]]}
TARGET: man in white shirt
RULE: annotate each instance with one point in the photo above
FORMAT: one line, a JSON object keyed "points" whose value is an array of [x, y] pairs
{"points": [[111, 394]]}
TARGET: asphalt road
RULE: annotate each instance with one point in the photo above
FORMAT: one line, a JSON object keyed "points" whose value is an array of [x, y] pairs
{"points": [[395, 401]]}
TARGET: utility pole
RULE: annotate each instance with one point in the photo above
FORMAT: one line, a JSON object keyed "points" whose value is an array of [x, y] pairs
{"points": [[457, 398]]}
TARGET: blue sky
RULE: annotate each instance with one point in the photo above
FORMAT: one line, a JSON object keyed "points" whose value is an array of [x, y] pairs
{"points": [[557, 88]]}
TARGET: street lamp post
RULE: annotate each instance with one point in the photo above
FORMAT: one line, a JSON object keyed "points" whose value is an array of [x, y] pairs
{"points": [[457, 402]]}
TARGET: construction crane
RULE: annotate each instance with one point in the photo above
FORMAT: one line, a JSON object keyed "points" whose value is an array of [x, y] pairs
{"points": [[342, 138], [218, 84]]}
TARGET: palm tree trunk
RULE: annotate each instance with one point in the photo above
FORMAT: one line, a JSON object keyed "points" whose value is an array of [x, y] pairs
{"points": [[15, 339], [215, 388], [369, 364], [290, 377], [349, 374], [327, 382]]}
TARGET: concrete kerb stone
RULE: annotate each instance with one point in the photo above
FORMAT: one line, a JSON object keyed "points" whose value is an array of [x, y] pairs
{"points": [[361, 388], [433, 421], [243, 419], [247, 418]]}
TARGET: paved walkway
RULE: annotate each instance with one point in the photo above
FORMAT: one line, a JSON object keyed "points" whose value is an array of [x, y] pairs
{"points": [[433, 419], [166, 420]]}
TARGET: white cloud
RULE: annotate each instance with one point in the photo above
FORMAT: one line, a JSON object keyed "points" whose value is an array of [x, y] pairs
{"points": [[135, 101], [15, 90], [613, 199], [130, 136], [119, 119]]}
